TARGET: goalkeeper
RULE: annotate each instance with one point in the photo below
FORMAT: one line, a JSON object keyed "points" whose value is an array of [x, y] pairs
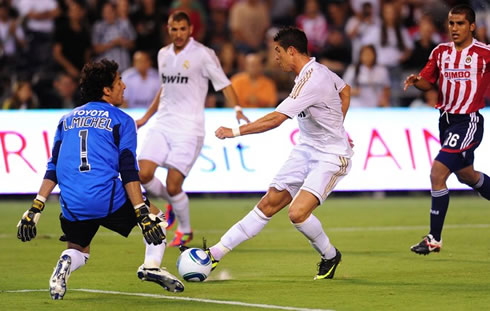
{"points": [[94, 145]]}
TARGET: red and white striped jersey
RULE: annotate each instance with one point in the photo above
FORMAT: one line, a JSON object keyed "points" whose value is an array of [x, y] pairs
{"points": [[464, 76]]}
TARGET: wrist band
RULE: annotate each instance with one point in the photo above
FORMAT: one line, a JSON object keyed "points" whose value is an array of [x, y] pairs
{"points": [[139, 205], [41, 198], [238, 108], [236, 131]]}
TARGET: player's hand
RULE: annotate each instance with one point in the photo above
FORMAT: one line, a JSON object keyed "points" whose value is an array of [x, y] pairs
{"points": [[151, 226], [26, 228], [223, 132], [240, 116], [410, 80], [140, 123]]}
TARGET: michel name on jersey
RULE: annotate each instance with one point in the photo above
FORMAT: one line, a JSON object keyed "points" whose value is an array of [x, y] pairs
{"points": [[89, 118], [175, 79]]}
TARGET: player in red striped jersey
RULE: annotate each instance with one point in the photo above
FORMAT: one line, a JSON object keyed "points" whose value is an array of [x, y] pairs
{"points": [[462, 67]]}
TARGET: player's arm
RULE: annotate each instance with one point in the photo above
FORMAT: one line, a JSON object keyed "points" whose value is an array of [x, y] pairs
{"points": [[267, 122], [419, 82], [151, 110], [426, 79], [232, 101], [345, 99]]}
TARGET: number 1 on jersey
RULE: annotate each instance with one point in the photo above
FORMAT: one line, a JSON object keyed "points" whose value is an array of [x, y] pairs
{"points": [[84, 166]]}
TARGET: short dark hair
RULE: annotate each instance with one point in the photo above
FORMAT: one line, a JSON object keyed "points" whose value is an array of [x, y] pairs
{"points": [[180, 16], [466, 10], [95, 77], [292, 36]]}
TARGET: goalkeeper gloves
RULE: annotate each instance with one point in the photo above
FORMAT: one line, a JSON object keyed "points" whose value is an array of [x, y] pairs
{"points": [[151, 226], [27, 225]]}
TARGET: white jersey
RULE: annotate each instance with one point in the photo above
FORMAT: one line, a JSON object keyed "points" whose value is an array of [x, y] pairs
{"points": [[316, 101], [184, 77]]}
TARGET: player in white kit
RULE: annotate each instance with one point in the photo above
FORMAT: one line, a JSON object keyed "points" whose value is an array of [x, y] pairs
{"points": [[176, 138], [320, 100]]}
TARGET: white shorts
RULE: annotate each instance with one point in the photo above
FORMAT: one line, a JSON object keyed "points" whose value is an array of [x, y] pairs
{"points": [[310, 170], [170, 150]]}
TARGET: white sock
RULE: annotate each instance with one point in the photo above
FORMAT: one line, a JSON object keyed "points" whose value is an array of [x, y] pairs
{"points": [[248, 227], [180, 205], [219, 251], [154, 254], [155, 187], [313, 231], [78, 258]]}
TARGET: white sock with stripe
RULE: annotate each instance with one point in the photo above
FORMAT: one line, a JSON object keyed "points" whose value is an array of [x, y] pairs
{"points": [[248, 227], [313, 231], [78, 259], [156, 188], [180, 205]]}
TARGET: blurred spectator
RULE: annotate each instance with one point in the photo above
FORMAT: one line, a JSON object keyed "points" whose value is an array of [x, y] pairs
{"points": [[337, 15], [423, 46], [12, 40], [253, 88], [337, 53], [248, 21], [482, 11], [218, 32], [142, 82], [72, 44], [282, 12], [112, 38], [426, 99], [394, 46], [314, 24], [227, 57], [357, 6], [359, 27], [39, 17], [196, 13], [122, 10], [64, 93], [148, 23], [22, 97], [370, 82]]}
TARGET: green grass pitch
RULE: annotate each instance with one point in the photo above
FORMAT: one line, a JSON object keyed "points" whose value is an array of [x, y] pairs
{"points": [[276, 268]]}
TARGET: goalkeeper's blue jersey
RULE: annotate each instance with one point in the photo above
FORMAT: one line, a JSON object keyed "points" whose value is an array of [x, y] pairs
{"points": [[94, 144]]}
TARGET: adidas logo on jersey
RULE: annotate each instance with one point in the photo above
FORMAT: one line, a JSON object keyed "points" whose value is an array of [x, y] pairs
{"points": [[175, 79]]}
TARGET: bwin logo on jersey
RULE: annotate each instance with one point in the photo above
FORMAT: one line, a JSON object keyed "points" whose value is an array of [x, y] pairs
{"points": [[175, 79]]}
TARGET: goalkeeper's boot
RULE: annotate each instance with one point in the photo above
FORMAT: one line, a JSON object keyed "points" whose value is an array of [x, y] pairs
{"points": [[162, 277], [170, 216], [427, 246], [59, 278], [181, 239], [327, 267]]}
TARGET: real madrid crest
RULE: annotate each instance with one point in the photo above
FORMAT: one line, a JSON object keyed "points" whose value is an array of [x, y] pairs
{"points": [[186, 64], [468, 60]]}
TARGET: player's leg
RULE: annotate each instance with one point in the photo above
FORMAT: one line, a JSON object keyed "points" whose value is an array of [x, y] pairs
{"points": [[250, 225], [318, 184], [123, 221], [477, 180], [78, 235], [184, 153], [148, 180], [180, 206]]}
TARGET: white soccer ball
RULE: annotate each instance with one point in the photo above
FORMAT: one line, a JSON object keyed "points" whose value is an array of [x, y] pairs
{"points": [[194, 265]]}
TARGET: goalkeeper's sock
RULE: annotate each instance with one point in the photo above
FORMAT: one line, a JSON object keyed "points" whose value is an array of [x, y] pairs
{"points": [[154, 254], [78, 258], [248, 227], [483, 186], [156, 188], [313, 231], [180, 205]]}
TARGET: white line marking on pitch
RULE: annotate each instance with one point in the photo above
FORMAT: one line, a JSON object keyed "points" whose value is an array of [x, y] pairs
{"points": [[221, 302]]}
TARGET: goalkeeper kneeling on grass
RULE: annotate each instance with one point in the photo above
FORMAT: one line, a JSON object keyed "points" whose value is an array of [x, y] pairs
{"points": [[93, 146]]}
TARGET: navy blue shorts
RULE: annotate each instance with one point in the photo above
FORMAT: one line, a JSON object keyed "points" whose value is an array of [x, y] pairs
{"points": [[460, 135], [82, 232]]}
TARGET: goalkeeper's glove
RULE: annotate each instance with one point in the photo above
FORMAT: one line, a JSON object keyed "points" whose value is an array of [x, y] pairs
{"points": [[27, 225], [151, 225]]}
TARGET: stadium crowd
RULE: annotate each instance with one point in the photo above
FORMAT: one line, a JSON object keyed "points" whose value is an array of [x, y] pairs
{"points": [[372, 44]]}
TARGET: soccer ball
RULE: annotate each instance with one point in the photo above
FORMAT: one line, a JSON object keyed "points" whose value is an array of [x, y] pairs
{"points": [[194, 265]]}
